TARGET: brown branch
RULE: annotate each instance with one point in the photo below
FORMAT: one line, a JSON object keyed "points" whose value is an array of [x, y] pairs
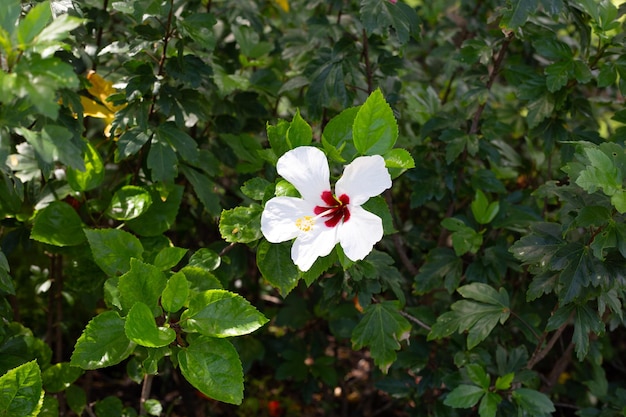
{"points": [[166, 39], [540, 353], [559, 367], [492, 77], [414, 320]]}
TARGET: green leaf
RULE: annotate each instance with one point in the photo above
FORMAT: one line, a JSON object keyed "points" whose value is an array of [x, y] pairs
{"points": [[485, 294], [213, 367], [557, 75], [277, 136], [129, 202], [375, 129], [484, 211], [34, 22], [161, 214], [204, 188], [205, 258], [504, 382], [109, 407], [179, 141], [59, 29], [199, 27], [21, 392], [162, 161], [539, 109], [618, 200], [518, 13], [169, 257], [377, 15], [441, 266], [464, 238], [399, 159], [142, 283], [220, 313], [600, 174], [59, 225], [60, 376], [113, 249], [274, 262], [586, 321], [103, 343], [478, 318], [55, 143], [533, 402], [10, 11], [337, 136], [93, 174], [176, 292], [256, 188], [241, 224], [76, 398], [130, 142], [381, 329], [478, 376], [141, 328], [539, 246], [464, 396], [299, 132], [489, 405]]}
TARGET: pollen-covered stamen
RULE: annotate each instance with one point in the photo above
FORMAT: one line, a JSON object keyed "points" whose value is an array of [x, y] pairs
{"points": [[336, 209], [305, 223]]}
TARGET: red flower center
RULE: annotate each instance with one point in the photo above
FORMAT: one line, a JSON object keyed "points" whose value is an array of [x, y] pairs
{"points": [[336, 209]]}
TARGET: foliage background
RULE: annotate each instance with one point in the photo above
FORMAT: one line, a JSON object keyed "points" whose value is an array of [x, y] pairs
{"points": [[140, 140]]}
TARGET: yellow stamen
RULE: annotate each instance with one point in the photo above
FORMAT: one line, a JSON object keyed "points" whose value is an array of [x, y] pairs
{"points": [[305, 223]]}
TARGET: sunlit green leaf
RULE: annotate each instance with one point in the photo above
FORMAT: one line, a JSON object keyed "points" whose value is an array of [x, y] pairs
{"points": [[58, 224]]}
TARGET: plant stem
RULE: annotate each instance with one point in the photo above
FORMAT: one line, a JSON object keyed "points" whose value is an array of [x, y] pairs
{"points": [[414, 320], [145, 393], [540, 353], [368, 67]]}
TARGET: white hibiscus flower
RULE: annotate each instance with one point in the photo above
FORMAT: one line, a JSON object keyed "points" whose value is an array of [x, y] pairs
{"points": [[321, 219]]}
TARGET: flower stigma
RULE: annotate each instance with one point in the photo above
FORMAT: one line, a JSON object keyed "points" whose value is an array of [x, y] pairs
{"points": [[336, 209]]}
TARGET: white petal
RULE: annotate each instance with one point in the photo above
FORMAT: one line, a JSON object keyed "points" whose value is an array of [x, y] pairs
{"points": [[306, 168], [278, 220], [363, 178], [360, 233], [309, 246]]}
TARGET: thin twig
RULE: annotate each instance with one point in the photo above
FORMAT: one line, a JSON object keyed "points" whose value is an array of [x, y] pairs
{"points": [[525, 323], [397, 242], [539, 353], [414, 320], [492, 77]]}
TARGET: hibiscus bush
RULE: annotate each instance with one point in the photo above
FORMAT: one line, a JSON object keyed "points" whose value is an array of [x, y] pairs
{"points": [[299, 208]]}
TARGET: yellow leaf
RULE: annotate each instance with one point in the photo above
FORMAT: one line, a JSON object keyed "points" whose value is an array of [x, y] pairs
{"points": [[284, 4]]}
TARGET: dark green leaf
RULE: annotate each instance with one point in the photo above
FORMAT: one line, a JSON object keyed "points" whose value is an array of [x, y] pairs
{"points": [[176, 293], [489, 405], [58, 224], [129, 202], [586, 321], [213, 367], [464, 396], [442, 266], [161, 215], [205, 258], [169, 257], [274, 262], [377, 15], [60, 376], [478, 376], [381, 329], [103, 343], [180, 141], [130, 142], [113, 249], [204, 188], [518, 13], [533, 402], [162, 161]]}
